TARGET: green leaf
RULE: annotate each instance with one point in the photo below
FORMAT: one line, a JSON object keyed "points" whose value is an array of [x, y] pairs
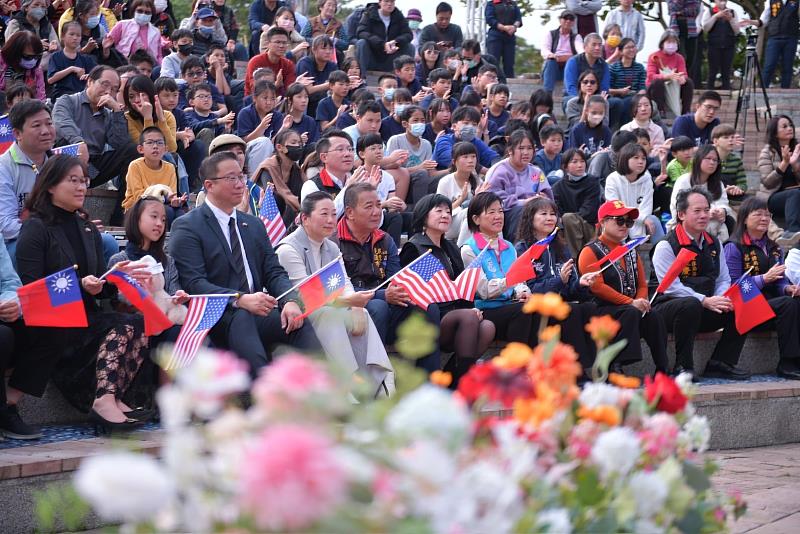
{"points": [[691, 522], [604, 359], [695, 477], [590, 492], [416, 337]]}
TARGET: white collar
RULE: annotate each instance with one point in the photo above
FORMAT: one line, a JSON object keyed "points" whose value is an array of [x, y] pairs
{"points": [[221, 216]]}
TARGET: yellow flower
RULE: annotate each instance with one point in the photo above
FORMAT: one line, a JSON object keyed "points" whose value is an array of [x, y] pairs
{"points": [[536, 411], [547, 304], [604, 414], [602, 329], [628, 382], [441, 378], [550, 333], [513, 356]]}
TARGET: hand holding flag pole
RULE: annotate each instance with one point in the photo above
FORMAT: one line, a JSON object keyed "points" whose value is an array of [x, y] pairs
{"points": [[684, 257], [301, 282], [385, 282]]}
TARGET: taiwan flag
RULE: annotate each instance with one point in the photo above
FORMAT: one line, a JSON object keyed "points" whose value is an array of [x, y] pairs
{"points": [[522, 268], [155, 321], [749, 305], [620, 251], [53, 301], [6, 134], [322, 287]]}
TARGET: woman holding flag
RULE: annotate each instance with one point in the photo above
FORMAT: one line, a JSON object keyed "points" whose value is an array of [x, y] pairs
{"points": [[105, 356], [556, 273], [463, 329], [346, 331], [621, 291], [751, 251]]}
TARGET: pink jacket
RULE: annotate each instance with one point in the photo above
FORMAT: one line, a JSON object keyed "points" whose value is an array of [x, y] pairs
{"points": [[34, 78], [126, 32], [659, 60]]}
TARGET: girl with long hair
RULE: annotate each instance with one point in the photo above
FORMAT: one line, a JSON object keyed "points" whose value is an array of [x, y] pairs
{"points": [[294, 107], [144, 110]]}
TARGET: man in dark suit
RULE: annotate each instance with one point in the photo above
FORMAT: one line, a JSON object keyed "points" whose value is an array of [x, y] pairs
{"points": [[209, 261]]}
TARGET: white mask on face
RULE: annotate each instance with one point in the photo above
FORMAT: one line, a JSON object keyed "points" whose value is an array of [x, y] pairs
{"points": [[160, 5], [670, 48], [593, 119]]}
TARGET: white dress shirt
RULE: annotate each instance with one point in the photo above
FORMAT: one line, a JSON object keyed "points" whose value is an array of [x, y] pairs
{"points": [[223, 220]]}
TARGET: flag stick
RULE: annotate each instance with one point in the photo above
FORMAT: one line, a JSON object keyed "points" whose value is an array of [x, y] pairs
{"points": [[400, 271], [103, 276], [298, 284], [651, 301], [209, 295], [738, 280], [613, 262]]}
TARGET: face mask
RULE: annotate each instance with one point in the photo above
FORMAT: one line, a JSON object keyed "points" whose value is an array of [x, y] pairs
{"points": [[206, 31], [185, 49], [453, 64], [594, 119], [670, 48], [28, 63], [573, 178], [400, 108], [92, 22], [160, 5], [37, 13], [417, 129], [467, 133], [388, 94], [613, 40], [142, 19], [413, 24], [294, 153], [286, 24], [471, 63]]}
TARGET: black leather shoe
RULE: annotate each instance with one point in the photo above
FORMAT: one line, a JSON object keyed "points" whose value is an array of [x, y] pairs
{"points": [[12, 426], [788, 370], [104, 427], [140, 414], [716, 369]]}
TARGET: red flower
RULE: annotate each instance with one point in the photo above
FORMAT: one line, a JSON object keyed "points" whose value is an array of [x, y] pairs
{"points": [[665, 392], [488, 381]]}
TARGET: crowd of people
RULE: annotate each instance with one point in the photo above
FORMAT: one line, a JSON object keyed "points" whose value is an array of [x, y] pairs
{"points": [[438, 157]]}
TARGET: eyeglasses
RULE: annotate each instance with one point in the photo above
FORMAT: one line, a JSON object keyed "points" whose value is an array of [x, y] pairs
{"points": [[201, 97], [77, 181], [154, 142], [195, 72], [589, 82], [711, 160], [710, 107], [232, 178], [621, 220], [347, 149]]}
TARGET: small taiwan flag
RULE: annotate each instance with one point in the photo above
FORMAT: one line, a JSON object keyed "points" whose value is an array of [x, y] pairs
{"points": [[322, 287], [6, 134], [619, 251], [522, 268], [68, 150], [749, 305], [155, 321], [55, 300]]}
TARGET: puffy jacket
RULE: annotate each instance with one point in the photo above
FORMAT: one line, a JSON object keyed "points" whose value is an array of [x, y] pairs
{"points": [[372, 29]]}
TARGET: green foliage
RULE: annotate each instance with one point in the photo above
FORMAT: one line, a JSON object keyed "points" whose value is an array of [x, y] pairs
{"points": [[416, 337], [528, 58], [60, 506]]}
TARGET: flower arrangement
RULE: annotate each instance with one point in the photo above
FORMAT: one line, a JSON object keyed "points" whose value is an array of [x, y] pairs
{"points": [[517, 447]]}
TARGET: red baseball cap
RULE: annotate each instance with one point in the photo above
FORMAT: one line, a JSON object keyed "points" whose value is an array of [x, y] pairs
{"points": [[615, 208]]}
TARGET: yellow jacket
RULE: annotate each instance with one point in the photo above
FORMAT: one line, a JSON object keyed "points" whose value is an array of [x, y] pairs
{"points": [[67, 16], [140, 177]]}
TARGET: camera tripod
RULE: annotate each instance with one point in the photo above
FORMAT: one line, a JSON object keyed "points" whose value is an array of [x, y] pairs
{"points": [[747, 92]]}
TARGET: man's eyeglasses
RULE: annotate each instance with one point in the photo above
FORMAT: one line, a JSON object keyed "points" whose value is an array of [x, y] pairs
{"points": [[232, 178], [154, 142], [195, 72], [347, 149], [623, 221]]}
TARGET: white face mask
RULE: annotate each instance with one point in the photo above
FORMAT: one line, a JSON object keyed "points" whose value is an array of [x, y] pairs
{"points": [[594, 119], [160, 5], [670, 48]]}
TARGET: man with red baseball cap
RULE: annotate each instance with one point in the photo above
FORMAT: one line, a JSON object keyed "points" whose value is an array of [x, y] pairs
{"points": [[621, 291]]}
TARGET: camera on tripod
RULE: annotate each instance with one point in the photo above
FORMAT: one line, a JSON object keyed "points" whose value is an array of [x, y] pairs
{"points": [[752, 39]]}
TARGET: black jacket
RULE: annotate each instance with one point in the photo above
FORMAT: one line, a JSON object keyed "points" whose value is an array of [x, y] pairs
{"points": [[371, 28], [581, 197]]}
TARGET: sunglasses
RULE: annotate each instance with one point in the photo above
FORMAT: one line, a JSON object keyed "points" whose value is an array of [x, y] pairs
{"points": [[621, 220]]}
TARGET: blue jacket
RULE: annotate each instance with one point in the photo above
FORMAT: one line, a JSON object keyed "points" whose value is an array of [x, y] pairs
{"points": [[443, 152], [260, 15], [577, 64], [548, 274], [502, 12], [494, 268]]}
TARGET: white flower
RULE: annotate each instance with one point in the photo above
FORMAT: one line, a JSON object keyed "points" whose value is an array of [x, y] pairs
{"points": [[684, 382], [211, 377], [554, 520], [124, 486], [231, 425], [616, 451], [649, 491], [599, 394], [430, 412], [182, 454], [174, 405], [695, 434]]}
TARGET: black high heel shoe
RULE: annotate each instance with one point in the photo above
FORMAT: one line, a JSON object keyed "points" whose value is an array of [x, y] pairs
{"points": [[104, 427], [140, 414]]}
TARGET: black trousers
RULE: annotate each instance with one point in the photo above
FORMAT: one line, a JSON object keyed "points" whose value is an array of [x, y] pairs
{"points": [[512, 324], [634, 327], [236, 328], [785, 324], [720, 60], [110, 165], [11, 344], [686, 316]]}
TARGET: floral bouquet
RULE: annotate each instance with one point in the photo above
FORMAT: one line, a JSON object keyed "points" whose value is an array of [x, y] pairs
{"points": [[518, 447]]}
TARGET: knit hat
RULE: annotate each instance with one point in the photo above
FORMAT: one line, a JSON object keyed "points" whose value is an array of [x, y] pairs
{"points": [[414, 14]]}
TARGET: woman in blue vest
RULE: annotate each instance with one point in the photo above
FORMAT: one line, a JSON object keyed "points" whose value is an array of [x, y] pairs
{"points": [[751, 248], [499, 303]]}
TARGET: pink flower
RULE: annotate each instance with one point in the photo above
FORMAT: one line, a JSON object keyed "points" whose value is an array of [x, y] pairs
{"points": [[291, 478], [659, 435], [581, 439], [292, 377]]}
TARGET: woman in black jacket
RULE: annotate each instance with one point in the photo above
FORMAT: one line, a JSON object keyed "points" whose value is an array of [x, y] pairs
{"points": [[463, 330], [93, 366]]}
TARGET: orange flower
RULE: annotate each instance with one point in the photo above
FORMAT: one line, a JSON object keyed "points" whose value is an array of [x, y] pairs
{"points": [[602, 329], [628, 382], [513, 356], [441, 378], [550, 333], [548, 304], [604, 414], [558, 368], [538, 410]]}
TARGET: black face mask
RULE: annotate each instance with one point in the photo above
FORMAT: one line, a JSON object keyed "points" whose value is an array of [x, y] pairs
{"points": [[294, 153], [185, 49]]}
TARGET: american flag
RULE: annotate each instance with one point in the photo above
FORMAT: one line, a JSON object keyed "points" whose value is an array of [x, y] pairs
{"points": [[204, 312], [467, 282], [269, 214], [426, 282], [6, 134], [69, 150]]}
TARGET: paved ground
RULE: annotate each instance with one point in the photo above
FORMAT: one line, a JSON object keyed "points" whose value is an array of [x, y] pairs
{"points": [[769, 479]]}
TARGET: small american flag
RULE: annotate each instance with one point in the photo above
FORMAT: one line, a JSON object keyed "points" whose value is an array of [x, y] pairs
{"points": [[69, 150], [204, 312], [467, 282], [426, 282], [269, 214], [6, 134]]}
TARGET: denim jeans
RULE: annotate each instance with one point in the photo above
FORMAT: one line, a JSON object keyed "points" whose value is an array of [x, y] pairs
{"points": [[780, 49], [553, 72]]}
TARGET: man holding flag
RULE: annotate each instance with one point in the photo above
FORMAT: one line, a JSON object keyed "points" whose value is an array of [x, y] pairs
{"points": [[695, 301], [218, 249]]}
